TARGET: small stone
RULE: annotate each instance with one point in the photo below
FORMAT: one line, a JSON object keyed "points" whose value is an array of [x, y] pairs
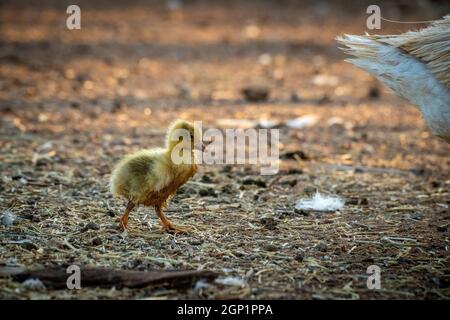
{"points": [[324, 99], [270, 247], [97, 241], [255, 93], [309, 190], [74, 104], [441, 282], [357, 201], [227, 168], [358, 170], [187, 190], [419, 171], [435, 184], [184, 91], [269, 223], [111, 213], [290, 182], [256, 182], [373, 93], [301, 212], [206, 179], [196, 242], [30, 215], [294, 171], [294, 155], [416, 216], [134, 264], [42, 162], [227, 188], [32, 201], [90, 226], [118, 105], [299, 257], [321, 246], [207, 192], [295, 97]]}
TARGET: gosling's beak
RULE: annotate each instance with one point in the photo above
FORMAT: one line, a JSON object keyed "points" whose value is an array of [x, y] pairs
{"points": [[203, 146]]}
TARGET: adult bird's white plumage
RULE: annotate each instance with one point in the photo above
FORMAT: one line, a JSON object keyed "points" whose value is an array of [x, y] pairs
{"points": [[415, 64]]}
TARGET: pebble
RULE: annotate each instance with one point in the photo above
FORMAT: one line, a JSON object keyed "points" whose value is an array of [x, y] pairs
{"points": [[299, 257], [227, 188], [301, 212], [357, 201], [295, 97], [321, 246], [97, 241], [256, 182], [290, 182], [269, 223], [256, 93], [206, 179], [294, 155], [373, 93], [205, 192], [90, 226], [270, 247], [294, 171], [309, 190], [111, 213]]}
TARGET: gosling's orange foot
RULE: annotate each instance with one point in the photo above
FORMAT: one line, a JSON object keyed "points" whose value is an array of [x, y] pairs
{"points": [[173, 229], [123, 223]]}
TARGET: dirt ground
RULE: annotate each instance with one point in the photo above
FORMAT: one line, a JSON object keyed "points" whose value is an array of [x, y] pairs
{"points": [[72, 103]]}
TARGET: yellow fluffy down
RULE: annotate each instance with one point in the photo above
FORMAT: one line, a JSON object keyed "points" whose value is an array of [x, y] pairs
{"points": [[139, 174]]}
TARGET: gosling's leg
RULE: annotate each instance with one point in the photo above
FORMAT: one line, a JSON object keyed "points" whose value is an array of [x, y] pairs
{"points": [[124, 218], [167, 225]]}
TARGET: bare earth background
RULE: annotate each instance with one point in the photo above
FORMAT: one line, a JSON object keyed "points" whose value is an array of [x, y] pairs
{"points": [[74, 102]]}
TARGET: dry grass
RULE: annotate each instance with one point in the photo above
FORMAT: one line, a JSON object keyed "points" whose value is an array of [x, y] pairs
{"points": [[67, 116]]}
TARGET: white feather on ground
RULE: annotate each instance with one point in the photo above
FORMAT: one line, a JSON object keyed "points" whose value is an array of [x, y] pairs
{"points": [[231, 281], [302, 122], [320, 202], [7, 218], [33, 284]]}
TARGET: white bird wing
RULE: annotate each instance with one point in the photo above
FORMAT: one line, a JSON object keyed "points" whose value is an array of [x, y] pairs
{"points": [[430, 45], [416, 65]]}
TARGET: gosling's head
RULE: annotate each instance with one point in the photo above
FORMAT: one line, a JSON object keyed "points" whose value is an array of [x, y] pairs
{"points": [[184, 135]]}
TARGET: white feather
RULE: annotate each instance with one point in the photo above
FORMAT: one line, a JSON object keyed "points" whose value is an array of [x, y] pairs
{"points": [[33, 284], [231, 281], [7, 218], [320, 202]]}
